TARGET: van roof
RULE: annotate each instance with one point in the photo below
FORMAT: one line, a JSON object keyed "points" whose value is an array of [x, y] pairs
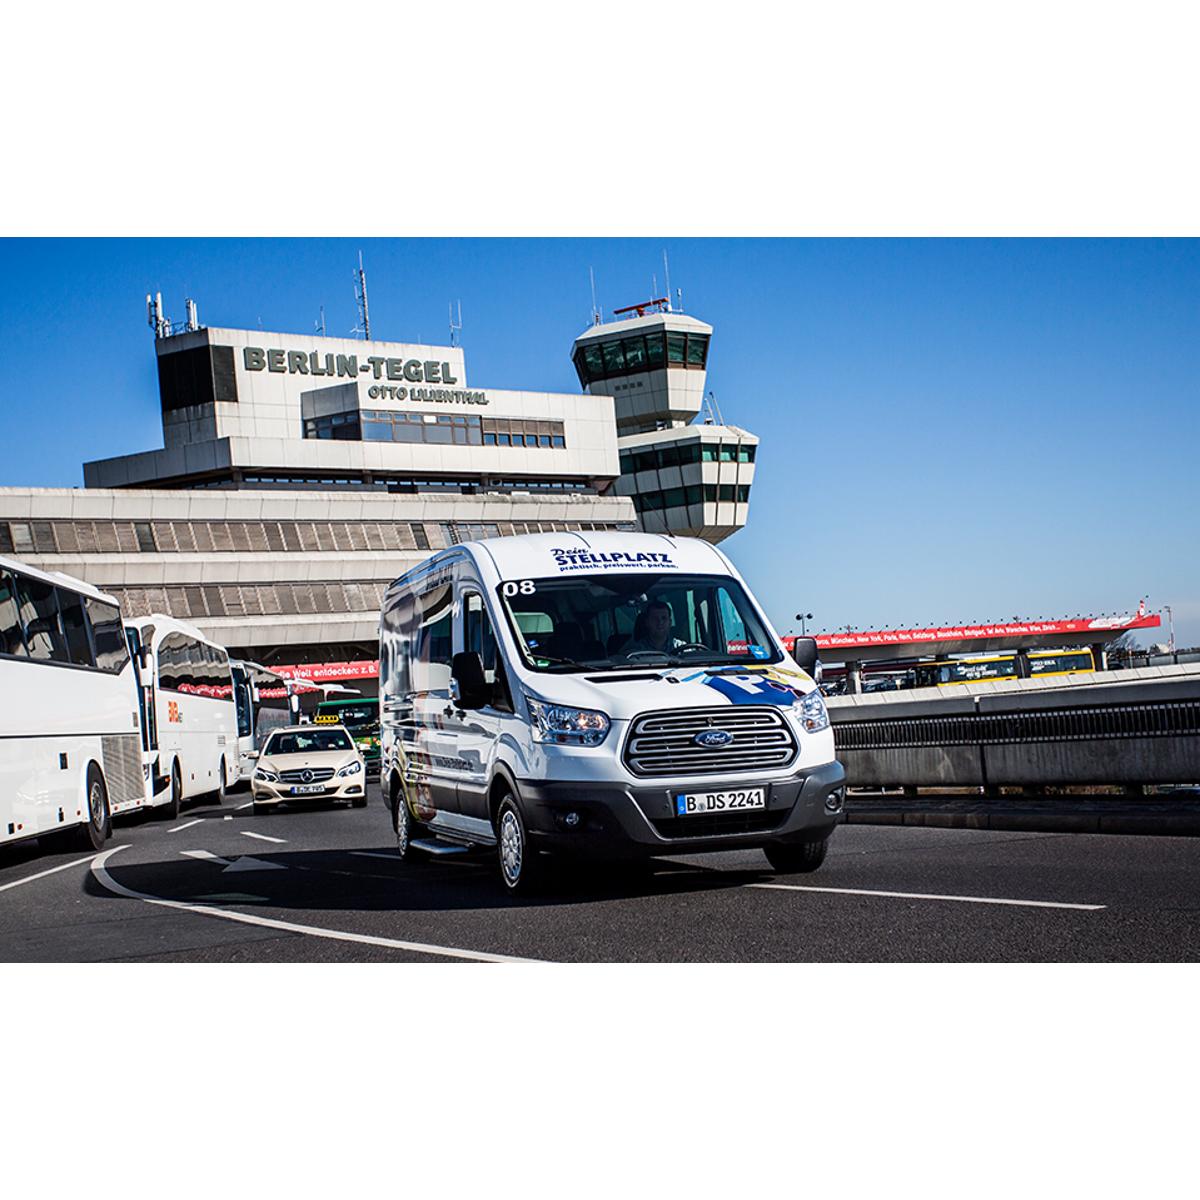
{"points": [[542, 555]]}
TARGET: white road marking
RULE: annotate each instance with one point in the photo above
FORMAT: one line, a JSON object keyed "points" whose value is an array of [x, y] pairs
{"points": [[42, 874], [374, 854], [100, 872], [793, 887], [246, 863], [262, 837], [207, 856], [226, 818], [241, 806], [186, 825]]}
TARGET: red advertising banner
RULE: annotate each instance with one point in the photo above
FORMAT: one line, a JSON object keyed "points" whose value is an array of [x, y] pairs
{"points": [[331, 672], [954, 633]]}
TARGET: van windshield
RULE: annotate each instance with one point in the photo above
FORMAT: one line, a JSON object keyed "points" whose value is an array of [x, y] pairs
{"points": [[607, 622]]}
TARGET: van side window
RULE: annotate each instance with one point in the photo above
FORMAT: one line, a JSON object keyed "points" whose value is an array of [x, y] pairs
{"points": [[479, 637], [431, 660]]}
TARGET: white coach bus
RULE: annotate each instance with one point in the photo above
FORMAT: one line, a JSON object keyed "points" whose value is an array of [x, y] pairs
{"points": [[188, 713], [69, 724], [264, 703]]}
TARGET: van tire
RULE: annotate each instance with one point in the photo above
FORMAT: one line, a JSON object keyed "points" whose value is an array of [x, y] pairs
{"points": [[521, 868], [405, 829], [797, 858], [97, 825]]}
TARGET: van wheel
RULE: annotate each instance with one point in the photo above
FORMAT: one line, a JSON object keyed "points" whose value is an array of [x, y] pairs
{"points": [[797, 858], [93, 833], [171, 809], [405, 828], [520, 865]]}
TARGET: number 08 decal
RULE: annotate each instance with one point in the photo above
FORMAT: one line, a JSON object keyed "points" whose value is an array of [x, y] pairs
{"points": [[512, 588]]}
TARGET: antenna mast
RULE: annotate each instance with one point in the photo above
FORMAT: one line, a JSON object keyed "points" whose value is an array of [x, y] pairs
{"points": [[595, 310], [360, 294], [667, 273], [319, 327], [455, 328]]}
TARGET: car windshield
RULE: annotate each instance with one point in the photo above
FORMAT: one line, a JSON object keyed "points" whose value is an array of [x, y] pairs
{"points": [[308, 742], [618, 621]]}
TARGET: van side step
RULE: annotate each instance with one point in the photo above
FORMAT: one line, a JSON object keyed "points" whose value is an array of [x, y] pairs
{"points": [[433, 846]]}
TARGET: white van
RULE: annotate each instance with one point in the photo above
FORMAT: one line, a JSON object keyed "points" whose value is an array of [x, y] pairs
{"points": [[605, 694]]}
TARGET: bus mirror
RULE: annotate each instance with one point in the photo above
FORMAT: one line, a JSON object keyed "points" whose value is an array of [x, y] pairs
{"points": [[805, 653], [468, 684], [145, 659]]}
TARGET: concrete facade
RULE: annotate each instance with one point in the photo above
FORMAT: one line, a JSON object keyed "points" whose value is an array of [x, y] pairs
{"points": [[299, 475]]}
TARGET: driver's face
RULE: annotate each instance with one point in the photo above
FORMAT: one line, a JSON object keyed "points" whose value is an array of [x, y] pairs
{"points": [[658, 626]]}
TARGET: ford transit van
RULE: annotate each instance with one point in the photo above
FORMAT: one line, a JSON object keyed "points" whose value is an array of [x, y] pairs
{"points": [[603, 694]]}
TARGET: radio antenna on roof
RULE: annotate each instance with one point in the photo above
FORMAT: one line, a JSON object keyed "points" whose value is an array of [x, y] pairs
{"points": [[319, 325], [360, 294], [595, 308], [667, 274], [455, 329]]}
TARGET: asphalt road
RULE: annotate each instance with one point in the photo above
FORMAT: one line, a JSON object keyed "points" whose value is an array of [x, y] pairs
{"points": [[322, 885]]}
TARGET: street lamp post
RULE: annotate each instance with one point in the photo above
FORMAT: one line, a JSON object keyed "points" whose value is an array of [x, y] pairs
{"points": [[804, 618]]}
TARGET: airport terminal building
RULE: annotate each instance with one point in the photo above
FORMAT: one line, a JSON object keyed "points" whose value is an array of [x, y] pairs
{"points": [[299, 475]]}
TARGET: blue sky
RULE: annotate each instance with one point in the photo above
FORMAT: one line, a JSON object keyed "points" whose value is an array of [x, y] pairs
{"points": [[951, 430]]}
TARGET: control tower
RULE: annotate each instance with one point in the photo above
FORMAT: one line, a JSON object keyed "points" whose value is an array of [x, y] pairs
{"points": [[684, 478]]}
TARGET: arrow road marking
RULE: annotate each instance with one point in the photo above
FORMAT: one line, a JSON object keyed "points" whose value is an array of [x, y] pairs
{"points": [[246, 863], [207, 856], [101, 875], [186, 825], [262, 837]]}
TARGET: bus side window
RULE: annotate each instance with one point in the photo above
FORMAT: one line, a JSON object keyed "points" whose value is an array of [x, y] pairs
{"points": [[74, 623], [11, 639], [39, 614], [112, 651]]}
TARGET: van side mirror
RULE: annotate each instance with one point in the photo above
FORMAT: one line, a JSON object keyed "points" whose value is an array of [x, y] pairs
{"points": [[469, 687], [804, 651]]}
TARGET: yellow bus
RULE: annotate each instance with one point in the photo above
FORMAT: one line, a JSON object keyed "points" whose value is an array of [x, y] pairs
{"points": [[1042, 663]]}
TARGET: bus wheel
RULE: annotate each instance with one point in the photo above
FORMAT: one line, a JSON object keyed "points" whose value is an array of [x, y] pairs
{"points": [[171, 811], [93, 833], [218, 796]]}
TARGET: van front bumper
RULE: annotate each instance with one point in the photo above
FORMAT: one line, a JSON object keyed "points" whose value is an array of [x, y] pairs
{"points": [[607, 819]]}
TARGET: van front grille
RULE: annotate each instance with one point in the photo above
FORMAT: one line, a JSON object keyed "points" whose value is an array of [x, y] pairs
{"points": [[664, 743]]}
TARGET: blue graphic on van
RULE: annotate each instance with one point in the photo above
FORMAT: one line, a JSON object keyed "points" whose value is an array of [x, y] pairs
{"points": [[752, 689], [760, 652], [713, 738]]}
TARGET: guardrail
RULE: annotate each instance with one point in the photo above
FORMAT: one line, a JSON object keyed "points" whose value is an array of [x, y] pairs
{"points": [[1132, 732]]}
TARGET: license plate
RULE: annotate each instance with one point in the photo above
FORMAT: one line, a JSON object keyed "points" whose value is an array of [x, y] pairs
{"points": [[307, 789], [691, 804]]}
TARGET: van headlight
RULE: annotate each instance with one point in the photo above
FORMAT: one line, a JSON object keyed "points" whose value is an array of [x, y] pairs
{"points": [[350, 769], [266, 775], [567, 726], [814, 716]]}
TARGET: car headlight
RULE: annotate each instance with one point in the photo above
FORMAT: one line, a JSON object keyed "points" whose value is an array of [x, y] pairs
{"points": [[350, 769], [814, 716], [567, 726], [266, 775]]}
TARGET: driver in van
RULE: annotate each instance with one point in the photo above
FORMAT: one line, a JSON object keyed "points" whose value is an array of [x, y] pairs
{"points": [[652, 630]]}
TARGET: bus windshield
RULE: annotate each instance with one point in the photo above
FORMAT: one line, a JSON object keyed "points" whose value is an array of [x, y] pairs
{"points": [[613, 622], [353, 716]]}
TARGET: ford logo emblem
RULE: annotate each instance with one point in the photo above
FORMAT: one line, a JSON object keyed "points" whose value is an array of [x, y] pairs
{"points": [[713, 738]]}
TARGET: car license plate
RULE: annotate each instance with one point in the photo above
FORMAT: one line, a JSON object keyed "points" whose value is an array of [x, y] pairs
{"points": [[306, 789], [691, 804]]}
